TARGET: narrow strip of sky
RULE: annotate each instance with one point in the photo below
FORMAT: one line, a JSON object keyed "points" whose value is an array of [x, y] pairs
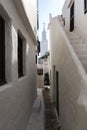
{"points": [[48, 6]]}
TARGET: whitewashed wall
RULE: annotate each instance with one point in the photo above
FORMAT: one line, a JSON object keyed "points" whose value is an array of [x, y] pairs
{"points": [[31, 10], [17, 96], [80, 17], [72, 80]]}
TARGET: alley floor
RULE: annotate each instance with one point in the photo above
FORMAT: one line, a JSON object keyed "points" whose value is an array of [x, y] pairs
{"points": [[36, 122], [43, 115], [51, 121]]}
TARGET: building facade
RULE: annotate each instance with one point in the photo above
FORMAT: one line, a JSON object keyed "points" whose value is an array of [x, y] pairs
{"points": [[18, 40], [77, 10], [68, 61]]}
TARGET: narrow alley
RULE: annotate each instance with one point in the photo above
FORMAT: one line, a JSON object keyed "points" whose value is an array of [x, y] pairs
{"points": [[43, 64], [44, 115]]}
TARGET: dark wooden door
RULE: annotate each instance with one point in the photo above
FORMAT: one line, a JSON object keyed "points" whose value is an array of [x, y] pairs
{"points": [[20, 56], [2, 50], [57, 91], [72, 18]]}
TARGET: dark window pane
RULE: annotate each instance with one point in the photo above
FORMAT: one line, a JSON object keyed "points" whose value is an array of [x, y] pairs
{"points": [[36, 58], [72, 18], [2, 51], [20, 56], [85, 6]]}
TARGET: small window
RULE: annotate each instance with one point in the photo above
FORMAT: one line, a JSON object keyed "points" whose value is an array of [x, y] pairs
{"points": [[36, 58], [2, 51], [85, 6], [63, 21], [38, 46], [21, 55], [40, 71]]}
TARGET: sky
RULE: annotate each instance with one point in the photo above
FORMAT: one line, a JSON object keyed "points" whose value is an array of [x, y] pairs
{"points": [[45, 7]]}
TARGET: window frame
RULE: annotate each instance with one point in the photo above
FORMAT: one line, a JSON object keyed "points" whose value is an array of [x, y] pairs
{"points": [[23, 55]]}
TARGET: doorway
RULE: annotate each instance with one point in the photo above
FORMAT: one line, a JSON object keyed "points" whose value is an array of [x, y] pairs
{"points": [[72, 18], [2, 51], [54, 86], [57, 91]]}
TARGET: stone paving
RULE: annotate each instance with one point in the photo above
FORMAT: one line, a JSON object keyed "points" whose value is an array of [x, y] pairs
{"points": [[51, 121], [36, 122], [43, 116]]}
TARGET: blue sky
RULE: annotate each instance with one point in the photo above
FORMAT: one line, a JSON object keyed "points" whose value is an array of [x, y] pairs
{"points": [[48, 6]]}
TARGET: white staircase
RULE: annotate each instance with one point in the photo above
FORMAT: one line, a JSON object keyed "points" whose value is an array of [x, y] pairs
{"points": [[79, 46], [40, 83], [77, 43]]}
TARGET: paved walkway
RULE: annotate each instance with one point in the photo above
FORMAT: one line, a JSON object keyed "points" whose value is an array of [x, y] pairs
{"points": [[36, 121], [51, 120]]}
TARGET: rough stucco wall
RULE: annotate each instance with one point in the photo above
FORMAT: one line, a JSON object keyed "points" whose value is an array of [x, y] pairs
{"points": [[17, 96], [72, 80]]}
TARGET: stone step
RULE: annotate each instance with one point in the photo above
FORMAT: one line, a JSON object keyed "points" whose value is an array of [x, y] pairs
{"points": [[85, 67], [80, 45], [39, 81], [82, 57], [84, 64], [39, 84], [76, 41], [74, 37], [84, 61], [71, 33], [82, 51]]}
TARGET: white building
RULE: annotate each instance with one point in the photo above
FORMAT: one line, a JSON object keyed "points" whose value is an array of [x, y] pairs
{"points": [[78, 11], [68, 58], [44, 42], [18, 25]]}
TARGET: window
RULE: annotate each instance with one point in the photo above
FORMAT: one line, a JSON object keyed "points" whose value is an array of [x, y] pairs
{"points": [[63, 21], [38, 46], [36, 58], [20, 56], [40, 71], [72, 17], [85, 6], [2, 51]]}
